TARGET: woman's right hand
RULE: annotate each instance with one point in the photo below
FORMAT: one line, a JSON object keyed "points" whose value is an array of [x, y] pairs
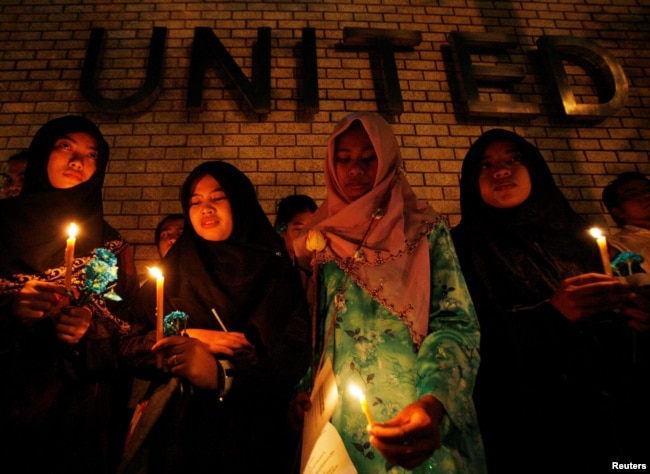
{"points": [[411, 436], [229, 344], [581, 297], [39, 298], [189, 358]]}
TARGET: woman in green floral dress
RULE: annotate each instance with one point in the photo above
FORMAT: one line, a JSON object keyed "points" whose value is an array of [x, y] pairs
{"points": [[395, 316]]}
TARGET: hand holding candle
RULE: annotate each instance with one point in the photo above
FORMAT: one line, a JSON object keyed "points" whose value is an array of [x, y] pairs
{"points": [[602, 246], [69, 254], [160, 288], [356, 391]]}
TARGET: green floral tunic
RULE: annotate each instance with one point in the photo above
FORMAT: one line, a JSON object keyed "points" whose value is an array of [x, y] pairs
{"points": [[371, 347]]}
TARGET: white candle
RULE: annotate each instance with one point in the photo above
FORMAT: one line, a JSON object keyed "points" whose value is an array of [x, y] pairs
{"points": [[356, 391], [216, 315], [160, 288], [602, 246], [69, 254]]}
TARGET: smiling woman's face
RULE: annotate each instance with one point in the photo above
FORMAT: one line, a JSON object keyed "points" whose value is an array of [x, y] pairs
{"points": [[504, 181], [210, 212], [73, 160]]}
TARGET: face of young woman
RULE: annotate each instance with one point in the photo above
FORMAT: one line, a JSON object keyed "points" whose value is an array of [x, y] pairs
{"points": [[504, 181], [209, 210], [169, 234], [73, 160], [13, 178], [634, 203], [294, 227], [355, 162]]}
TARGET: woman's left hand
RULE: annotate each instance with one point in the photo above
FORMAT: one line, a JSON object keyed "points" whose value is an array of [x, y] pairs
{"points": [[72, 323], [230, 344], [190, 359], [412, 436]]}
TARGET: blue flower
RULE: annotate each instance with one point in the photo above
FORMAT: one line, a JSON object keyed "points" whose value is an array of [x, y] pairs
{"points": [[622, 264], [175, 323], [99, 274]]}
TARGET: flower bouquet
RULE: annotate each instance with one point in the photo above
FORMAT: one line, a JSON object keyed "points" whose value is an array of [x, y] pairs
{"points": [[626, 265], [623, 264], [100, 275], [175, 323]]}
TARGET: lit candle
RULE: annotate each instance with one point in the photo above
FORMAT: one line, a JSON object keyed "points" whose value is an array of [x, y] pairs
{"points": [[69, 254], [356, 391], [602, 246], [160, 285]]}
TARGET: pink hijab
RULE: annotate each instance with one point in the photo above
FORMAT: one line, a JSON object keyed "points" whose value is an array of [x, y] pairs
{"points": [[395, 271]]}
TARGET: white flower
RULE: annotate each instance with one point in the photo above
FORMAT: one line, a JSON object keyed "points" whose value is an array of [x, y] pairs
{"points": [[315, 241]]}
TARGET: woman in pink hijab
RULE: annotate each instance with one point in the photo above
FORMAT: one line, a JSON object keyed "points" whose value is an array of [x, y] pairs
{"points": [[394, 314]]}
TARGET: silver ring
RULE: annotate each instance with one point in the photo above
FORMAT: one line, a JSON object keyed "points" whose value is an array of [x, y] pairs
{"points": [[174, 361]]}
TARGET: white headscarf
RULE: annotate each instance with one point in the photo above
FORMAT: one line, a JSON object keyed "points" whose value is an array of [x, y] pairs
{"points": [[395, 271]]}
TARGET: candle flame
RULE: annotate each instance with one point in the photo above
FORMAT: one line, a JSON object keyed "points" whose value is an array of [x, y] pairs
{"points": [[72, 230], [356, 391], [596, 232], [155, 272], [364, 404]]}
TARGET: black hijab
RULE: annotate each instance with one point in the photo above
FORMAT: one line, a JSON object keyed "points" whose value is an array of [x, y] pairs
{"points": [[248, 278], [517, 256], [33, 225]]}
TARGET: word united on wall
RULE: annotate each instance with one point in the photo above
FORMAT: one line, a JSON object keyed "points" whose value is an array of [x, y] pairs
{"points": [[382, 45]]}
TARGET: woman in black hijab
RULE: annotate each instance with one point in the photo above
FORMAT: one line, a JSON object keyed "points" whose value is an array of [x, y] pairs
{"points": [[230, 263], [60, 385], [548, 330]]}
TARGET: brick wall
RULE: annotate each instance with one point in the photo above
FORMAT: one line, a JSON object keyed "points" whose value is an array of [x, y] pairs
{"points": [[43, 45]]}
